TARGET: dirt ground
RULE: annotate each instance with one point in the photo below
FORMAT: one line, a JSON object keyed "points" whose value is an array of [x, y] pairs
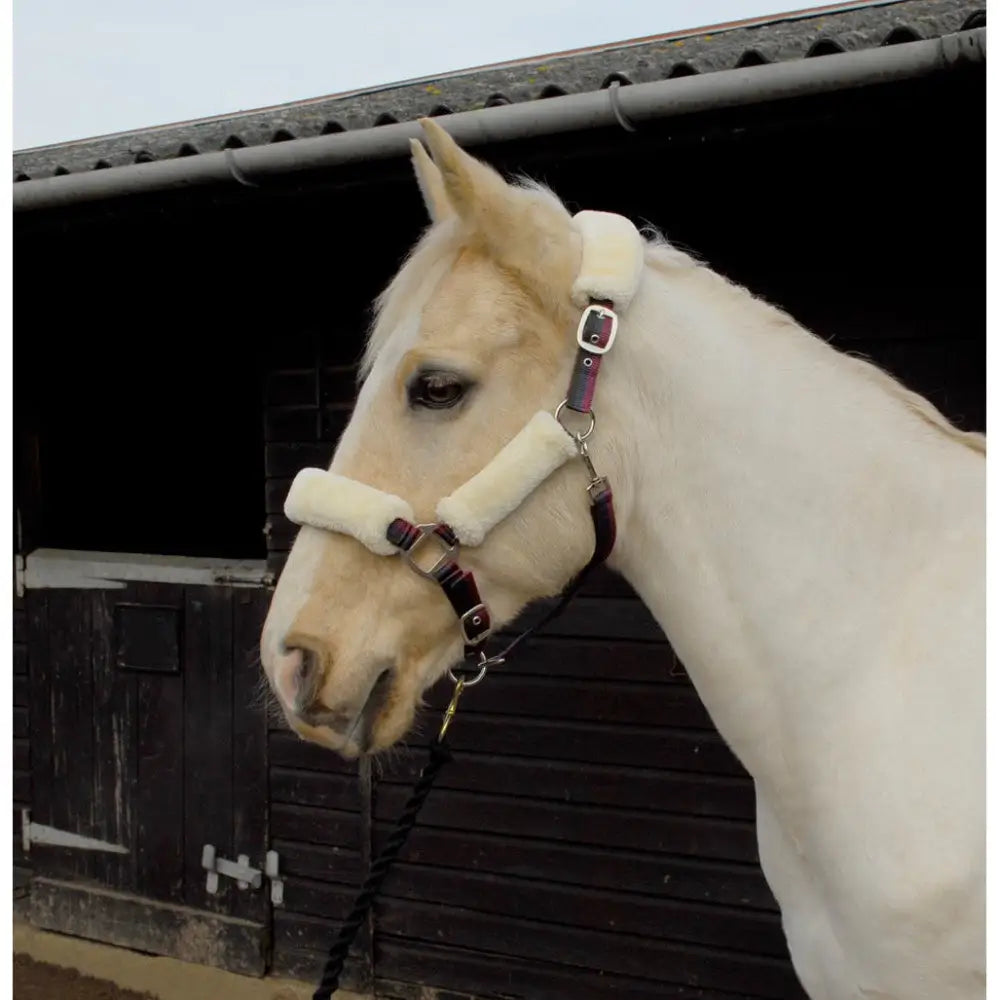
{"points": [[41, 981]]}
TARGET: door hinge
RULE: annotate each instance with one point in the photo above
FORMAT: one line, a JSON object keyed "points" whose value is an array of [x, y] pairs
{"points": [[38, 833], [240, 870]]}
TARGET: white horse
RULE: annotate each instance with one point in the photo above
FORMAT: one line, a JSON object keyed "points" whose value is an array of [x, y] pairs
{"points": [[809, 534]]}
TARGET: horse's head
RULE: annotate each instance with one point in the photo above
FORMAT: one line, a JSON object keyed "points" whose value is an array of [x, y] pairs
{"points": [[473, 337]]}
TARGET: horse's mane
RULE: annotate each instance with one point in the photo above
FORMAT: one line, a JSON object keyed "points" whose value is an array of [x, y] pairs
{"points": [[430, 257], [668, 259]]}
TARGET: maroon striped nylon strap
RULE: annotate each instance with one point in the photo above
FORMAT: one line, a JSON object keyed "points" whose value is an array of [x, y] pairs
{"points": [[596, 333], [459, 585]]}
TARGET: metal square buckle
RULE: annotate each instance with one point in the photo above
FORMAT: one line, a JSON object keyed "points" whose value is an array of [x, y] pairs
{"points": [[427, 531], [589, 343], [473, 620]]}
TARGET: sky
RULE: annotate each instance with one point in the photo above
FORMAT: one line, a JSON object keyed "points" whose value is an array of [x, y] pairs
{"points": [[90, 67]]}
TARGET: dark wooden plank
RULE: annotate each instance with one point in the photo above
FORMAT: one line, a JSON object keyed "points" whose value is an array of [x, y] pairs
{"points": [[587, 660], [339, 384], [315, 898], [19, 722], [20, 857], [20, 623], [71, 714], [208, 740], [322, 863], [301, 944], [22, 755], [680, 750], [712, 839], [115, 751], [22, 881], [303, 932], [295, 387], [20, 659], [250, 765], [40, 684], [288, 749], [20, 691], [645, 916], [281, 532], [290, 424], [309, 788], [315, 826], [436, 972], [600, 952], [22, 787], [159, 928], [307, 966], [275, 491], [304, 424], [158, 797], [595, 617], [669, 875], [586, 784], [285, 459], [604, 582], [627, 702]]}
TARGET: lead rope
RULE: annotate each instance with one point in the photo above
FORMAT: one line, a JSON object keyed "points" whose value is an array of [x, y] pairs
{"points": [[440, 754]]}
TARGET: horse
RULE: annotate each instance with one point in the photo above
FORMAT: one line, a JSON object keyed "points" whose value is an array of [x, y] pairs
{"points": [[809, 533]]}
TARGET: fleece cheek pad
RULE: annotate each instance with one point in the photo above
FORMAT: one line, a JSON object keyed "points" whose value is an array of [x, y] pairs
{"points": [[527, 460], [325, 500], [614, 254]]}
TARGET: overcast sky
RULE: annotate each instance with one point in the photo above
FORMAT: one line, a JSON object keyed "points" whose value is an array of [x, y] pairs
{"points": [[90, 67]]}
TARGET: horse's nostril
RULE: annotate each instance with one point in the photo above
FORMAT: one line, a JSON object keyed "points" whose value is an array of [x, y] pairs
{"points": [[306, 677]]}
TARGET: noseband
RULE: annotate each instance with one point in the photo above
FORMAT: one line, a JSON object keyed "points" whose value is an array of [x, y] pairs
{"points": [[611, 268]]}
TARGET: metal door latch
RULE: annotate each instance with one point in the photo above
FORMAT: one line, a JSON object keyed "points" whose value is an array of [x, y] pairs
{"points": [[239, 870], [244, 875], [277, 884]]}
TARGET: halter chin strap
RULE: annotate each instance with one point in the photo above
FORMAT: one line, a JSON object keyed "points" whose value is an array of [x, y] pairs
{"points": [[610, 271]]}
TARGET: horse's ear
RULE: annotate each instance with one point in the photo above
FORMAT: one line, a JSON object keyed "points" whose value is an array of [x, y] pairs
{"points": [[519, 227], [477, 192], [430, 182]]}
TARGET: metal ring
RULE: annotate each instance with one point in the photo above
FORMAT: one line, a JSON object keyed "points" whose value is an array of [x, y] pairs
{"points": [[475, 680], [579, 438]]}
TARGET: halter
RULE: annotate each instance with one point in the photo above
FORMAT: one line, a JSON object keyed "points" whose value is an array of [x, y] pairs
{"points": [[610, 271]]}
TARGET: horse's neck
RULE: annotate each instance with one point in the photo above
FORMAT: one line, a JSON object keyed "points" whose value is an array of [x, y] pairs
{"points": [[776, 499]]}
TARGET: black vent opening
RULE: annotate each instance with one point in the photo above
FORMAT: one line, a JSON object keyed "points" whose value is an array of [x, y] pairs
{"points": [[824, 47], [900, 36]]}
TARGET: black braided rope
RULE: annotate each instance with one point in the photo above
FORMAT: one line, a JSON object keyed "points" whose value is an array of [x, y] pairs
{"points": [[440, 754]]}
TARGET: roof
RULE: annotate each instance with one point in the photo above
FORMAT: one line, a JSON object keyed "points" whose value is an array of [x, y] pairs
{"points": [[796, 35]]}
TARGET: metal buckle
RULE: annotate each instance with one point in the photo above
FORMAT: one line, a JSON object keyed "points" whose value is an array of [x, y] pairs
{"points": [[590, 345], [469, 616], [427, 531]]}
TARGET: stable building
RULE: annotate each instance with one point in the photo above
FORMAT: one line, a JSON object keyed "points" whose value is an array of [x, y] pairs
{"points": [[181, 351]]}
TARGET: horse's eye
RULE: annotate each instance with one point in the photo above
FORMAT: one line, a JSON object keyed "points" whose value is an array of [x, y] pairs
{"points": [[436, 390]]}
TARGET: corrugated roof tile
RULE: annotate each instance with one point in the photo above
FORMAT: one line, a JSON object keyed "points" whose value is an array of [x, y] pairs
{"points": [[803, 34]]}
